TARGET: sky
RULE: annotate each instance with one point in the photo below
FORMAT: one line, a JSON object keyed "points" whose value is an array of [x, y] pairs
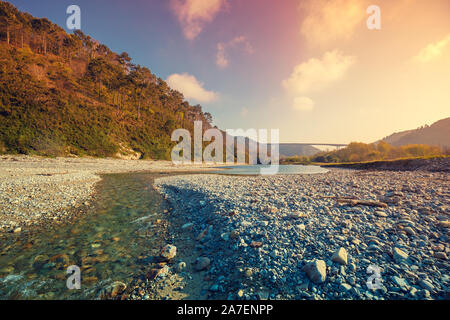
{"points": [[312, 69]]}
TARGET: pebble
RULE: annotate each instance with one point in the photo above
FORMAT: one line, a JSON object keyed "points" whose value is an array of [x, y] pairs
{"points": [[168, 252], [118, 288], [202, 263], [284, 223], [187, 225], [340, 256], [381, 213], [181, 266], [214, 288], [256, 244], [234, 234], [399, 255], [426, 284], [316, 271], [400, 282], [440, 255], [345, 287], [409, 231]]}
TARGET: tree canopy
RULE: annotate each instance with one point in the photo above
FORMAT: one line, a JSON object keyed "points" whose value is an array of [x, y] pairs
{"points": [[69, 94]]}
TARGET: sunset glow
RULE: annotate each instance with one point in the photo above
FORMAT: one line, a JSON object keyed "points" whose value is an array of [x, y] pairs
{"points": [[267, 58]]}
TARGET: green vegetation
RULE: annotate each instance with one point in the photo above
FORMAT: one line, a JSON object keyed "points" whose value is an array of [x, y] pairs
{"points": [[297, 160], [360, 152], [366, 164], [357, 152], [67, 94]]}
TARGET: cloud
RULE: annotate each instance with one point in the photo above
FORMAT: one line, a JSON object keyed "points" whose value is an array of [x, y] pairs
{"points": [[244, 112], [194, 14], [331, 20], [221, 57], [316, 74], [190, 87], [303, 104], [433, 50]]}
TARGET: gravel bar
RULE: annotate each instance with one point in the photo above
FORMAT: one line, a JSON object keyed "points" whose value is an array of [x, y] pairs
{"points": [[38, 191], [287, 236]]}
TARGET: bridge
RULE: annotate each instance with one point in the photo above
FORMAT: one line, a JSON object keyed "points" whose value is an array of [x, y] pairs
{"points": [[337, 145]]}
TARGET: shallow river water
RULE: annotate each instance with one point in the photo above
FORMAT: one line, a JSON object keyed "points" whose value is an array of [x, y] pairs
{"points": [[110, 243], [281, 169], [115, 240]]}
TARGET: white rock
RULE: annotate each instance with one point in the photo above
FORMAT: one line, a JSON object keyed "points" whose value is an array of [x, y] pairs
{"points": [[316, 271], [340, 256]]}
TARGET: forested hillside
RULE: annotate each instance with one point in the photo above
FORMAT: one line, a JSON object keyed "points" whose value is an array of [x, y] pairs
{"points": [[68, 94], [438, 134], [357, 151]]}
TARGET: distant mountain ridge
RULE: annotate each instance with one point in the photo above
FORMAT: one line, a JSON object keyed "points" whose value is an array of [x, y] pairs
{"points": [[285, 149], [438, 134], [295, 149]]}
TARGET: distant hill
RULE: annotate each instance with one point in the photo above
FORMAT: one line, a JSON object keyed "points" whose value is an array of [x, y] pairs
{"points": [[288, 149], [294, 149], [425, 142], [68, 94], [438, 134]]}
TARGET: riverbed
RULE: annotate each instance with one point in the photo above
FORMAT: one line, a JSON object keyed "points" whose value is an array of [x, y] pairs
{"points": [[308, 237], [117, 238], [257, 234]]}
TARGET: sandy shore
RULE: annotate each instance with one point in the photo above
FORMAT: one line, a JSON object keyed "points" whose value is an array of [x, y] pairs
{"points": [[35, 190], [287, 236]]}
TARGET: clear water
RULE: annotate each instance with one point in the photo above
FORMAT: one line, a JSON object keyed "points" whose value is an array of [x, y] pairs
{"points": [[108, 244], [282, 169], [117, 239]]}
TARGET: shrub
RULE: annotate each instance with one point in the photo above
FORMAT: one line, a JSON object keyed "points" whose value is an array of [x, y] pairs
{"points": [[356, 152], [2, 147]]}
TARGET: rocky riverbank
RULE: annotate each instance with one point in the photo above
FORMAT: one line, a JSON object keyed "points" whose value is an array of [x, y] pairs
{"points": [[310, 237], [37, 191], [438, 164]]}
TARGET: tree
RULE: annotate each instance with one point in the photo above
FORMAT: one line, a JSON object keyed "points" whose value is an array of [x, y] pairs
{"points": [[99, 70], [208, 117], [42, 26], [140, 79], [384, 147], [124, 60], [7, 21]]}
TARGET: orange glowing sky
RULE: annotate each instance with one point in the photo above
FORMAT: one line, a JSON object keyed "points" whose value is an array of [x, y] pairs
{"points": [[315, 71], [346, 82], [384, 80]]}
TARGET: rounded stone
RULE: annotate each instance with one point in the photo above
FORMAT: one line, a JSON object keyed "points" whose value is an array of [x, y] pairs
{"points": [[202, 263], [316, 271], [169, 252], [340, 256]]}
